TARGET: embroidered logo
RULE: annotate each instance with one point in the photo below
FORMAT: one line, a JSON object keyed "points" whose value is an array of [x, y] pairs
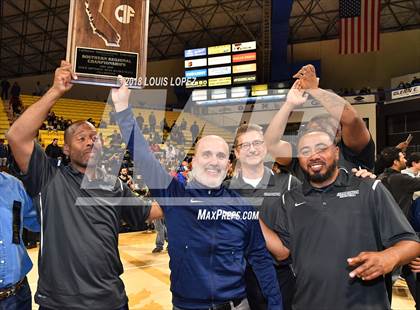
{"points": [[348, 194]]}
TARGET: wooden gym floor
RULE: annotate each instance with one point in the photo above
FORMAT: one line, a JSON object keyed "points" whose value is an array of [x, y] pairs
{"points": [[146, 275]]}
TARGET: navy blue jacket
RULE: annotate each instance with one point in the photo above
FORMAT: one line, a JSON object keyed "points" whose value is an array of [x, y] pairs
{"points": [[208, 252]]}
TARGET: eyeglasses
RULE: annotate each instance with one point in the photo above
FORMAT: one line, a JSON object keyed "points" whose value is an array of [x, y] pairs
{"points": [[320, 148], [247, 145]]}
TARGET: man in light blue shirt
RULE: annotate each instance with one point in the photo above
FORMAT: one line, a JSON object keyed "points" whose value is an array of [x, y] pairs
{"points": [[16, 212]]}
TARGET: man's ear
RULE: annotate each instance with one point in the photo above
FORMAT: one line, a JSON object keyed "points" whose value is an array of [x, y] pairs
{"points": [[66, 149]]}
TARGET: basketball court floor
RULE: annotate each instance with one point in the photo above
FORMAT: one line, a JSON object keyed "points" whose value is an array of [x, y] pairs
{"points": [[146, 275]]}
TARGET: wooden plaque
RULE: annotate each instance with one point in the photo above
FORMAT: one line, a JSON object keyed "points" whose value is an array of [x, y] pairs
{"points": [[108, 38]]}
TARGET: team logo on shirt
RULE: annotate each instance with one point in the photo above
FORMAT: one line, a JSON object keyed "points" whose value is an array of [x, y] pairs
{"points": [[348, 194]]}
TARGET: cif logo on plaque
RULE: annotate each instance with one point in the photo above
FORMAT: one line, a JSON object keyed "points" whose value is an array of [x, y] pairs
{"points": [[108, 38], [124, 13], [101, 26]]}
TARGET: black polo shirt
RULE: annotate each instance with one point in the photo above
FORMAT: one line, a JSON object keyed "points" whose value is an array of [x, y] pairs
{"points": [[323, 228], [266, 195], [79, 263], [348, 159]]}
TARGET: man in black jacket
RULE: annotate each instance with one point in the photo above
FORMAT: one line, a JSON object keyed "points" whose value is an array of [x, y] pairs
{"points": [[254, 181], [53, 150], [402, 188]]}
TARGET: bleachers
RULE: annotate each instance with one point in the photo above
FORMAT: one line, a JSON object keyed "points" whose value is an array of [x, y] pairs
{"points": [[73, 109], [82, 110]]}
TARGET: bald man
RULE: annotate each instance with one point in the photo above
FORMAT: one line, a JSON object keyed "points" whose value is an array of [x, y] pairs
{"points": [[212, 231]]}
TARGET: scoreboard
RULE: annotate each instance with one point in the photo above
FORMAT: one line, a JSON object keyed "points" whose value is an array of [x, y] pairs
{"points": [[222, 65]]}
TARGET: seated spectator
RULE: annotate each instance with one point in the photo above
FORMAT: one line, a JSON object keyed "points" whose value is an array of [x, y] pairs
{"points": [[415, 81], [363, 91], [155, 148], [51, 118]]}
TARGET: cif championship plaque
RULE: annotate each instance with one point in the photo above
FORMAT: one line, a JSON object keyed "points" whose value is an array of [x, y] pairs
{"points": [[108, 38]]}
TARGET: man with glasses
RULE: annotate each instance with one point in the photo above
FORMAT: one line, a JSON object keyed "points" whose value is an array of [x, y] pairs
{"points": [[254, 181], [343, 233]]}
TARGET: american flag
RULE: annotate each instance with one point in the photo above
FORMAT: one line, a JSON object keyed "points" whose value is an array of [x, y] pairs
{"points": [[359, 26]]}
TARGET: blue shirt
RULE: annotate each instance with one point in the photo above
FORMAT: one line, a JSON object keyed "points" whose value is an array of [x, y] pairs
{"points": [[14, 260], [207, 256]]}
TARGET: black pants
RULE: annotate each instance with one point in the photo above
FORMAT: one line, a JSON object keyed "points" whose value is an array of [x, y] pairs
{"points": [[287, 283], [22, 300]]}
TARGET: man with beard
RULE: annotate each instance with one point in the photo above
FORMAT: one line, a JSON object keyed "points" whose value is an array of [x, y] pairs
{"points": [[343, 232], [262, 188], [210, 233], [353, 138], [126, 178], [79, 206]]}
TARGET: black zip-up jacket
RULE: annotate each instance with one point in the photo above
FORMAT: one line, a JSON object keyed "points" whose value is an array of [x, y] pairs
{"points": [[401, 186]]}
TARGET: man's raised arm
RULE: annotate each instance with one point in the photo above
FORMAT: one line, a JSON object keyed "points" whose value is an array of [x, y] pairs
{"points": [[355, 134], [282, 150], [24, 130], [145, 161]]}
